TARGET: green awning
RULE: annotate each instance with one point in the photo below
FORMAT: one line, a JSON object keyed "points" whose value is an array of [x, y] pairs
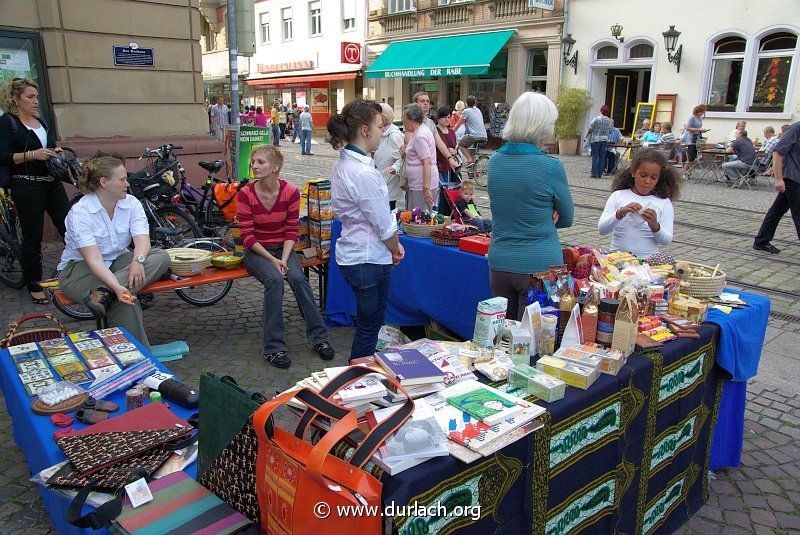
{"points": [[456, 55]]}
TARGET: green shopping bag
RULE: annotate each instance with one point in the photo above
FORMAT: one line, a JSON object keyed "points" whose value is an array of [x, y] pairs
{"points": [[225, 408]]}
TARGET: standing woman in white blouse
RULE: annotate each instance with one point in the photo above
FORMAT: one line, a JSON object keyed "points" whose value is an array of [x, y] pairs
{"points": [[25, 145], [368, 246], [639, 214]]}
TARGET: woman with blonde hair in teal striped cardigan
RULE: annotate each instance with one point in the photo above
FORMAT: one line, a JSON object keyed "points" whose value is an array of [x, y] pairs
{"points": [[529, 198]]}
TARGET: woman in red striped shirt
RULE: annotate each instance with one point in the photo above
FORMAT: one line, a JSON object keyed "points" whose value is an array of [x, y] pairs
{"points": [[269, 213]]}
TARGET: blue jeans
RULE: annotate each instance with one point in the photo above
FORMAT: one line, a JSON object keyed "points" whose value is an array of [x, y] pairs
{"points": [[599, 157], [274, 331], [484, 225], [370, 283], [305, 141], [276, 135]]}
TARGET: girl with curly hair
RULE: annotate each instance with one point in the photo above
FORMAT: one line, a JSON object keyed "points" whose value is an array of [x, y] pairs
{"points": [[639, 214]]}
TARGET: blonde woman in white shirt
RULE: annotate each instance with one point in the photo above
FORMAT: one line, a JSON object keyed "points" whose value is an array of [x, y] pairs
{"points": [[639, 214], [96, 266], [368, 246]]}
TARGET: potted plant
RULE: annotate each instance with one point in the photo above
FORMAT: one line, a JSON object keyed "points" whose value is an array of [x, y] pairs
{"points": [[572, 104]]}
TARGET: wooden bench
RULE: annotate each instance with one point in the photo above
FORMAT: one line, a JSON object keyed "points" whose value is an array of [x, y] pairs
{"points": [[211, 275]]}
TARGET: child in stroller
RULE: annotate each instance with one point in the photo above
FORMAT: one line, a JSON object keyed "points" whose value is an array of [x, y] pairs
{"points": [[464, 208]]}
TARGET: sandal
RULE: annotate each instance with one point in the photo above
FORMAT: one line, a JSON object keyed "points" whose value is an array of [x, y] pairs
{"points": [[39, 300], [100, 405], [89, 416]]}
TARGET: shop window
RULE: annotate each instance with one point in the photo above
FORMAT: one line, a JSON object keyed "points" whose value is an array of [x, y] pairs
{"points": [[727, 64], [287, 30], [398, 6], [536, 71], [773, 66], [348, 15], [642, 51], [21, 57], [263, 22], [607, 52], [315, 18], [489, 93]]}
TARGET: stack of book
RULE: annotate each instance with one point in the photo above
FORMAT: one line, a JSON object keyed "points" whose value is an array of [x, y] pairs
{"points": [[363, 395], [413, 370]]}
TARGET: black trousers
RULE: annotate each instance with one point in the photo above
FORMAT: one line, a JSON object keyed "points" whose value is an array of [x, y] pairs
{"points": [[789, 200], [32, 200]]}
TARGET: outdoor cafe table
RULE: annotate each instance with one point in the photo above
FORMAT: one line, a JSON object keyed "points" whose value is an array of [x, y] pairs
{"points": [[444, 284], [34, 434]]}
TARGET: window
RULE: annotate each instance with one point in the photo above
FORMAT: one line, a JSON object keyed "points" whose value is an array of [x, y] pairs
{"points": [[641, 51], [209, 35], [775, 53], [536, 71], [263, 21], [398, 6], [726, 73], [315, 18], [607, 52], [348, 15], [286, 27]]}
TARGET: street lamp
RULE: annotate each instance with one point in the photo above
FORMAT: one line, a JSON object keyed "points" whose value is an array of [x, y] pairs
{"points": [[670, 40], [568, 43], [616, 31]]}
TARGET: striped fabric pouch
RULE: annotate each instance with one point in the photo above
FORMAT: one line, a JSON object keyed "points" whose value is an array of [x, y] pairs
{"points": [[180, 506]]}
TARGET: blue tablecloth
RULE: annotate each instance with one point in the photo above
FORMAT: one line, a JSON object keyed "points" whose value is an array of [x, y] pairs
{"points": [[34, 434], [738, 353], [433, 282]]}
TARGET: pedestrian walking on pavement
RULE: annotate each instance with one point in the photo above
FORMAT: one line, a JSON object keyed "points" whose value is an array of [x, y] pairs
{"points": [[306, 129], [786, 165], [219, 118], [269, 216]]}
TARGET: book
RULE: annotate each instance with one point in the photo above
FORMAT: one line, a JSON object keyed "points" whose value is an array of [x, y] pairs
{"points": [[395, 467], [367, 388], [409, 367], [419, 437], [454, 370], [467, 455], [476, 435], [484, 402]]}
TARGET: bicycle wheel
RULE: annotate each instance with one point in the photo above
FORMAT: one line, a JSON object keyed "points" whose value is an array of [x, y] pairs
{"points": [[214, 223], [76, 311], [480, 171], [10, 267], [204, 295], [174, 217]]}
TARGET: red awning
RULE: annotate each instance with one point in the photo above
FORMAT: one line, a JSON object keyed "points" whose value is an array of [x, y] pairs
{"points": [[294, 80]]}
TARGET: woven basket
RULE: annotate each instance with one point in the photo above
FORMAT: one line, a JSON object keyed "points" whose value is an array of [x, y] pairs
{"points": [[14, 338], [450, 242], [218, 262], [423, 231], [703, 287], [186, 262]]}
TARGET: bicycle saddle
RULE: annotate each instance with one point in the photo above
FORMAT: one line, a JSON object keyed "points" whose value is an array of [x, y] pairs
{"points": [[168, 231], [211, 167]]}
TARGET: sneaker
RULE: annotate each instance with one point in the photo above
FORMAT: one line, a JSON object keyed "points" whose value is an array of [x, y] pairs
{"points": [[768, 247], [324, 350], [279, 359]]}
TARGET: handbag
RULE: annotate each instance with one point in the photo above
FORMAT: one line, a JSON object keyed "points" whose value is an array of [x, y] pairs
{"points": [[403, 178], [228, 444], [294, 476]]}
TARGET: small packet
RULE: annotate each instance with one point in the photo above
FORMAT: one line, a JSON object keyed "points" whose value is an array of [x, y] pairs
{"points": [[57, 392]]}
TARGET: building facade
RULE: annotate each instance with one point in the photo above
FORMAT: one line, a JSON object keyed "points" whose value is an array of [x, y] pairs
{"points": [[740, 60], [309, 53], [530, 58], [109, 67]]}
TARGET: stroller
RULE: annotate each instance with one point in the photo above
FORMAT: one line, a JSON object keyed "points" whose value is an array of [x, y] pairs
{"points": [[452, 198]]}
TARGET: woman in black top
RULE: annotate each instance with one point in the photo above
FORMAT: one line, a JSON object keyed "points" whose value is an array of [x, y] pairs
{"points": [[25, 144]]}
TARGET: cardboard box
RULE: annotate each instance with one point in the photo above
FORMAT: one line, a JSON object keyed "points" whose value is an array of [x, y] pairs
{"points": [[475, 244], [520, 346], [319, 190], [571, 373], [537, 383]]}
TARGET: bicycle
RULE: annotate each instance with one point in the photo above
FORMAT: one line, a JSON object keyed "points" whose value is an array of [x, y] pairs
{"points": [[10, 244], [202, 295], [478, 171]]}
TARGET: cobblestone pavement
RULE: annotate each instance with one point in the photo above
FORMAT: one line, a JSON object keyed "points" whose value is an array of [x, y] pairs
{"points": [[762, 496]]}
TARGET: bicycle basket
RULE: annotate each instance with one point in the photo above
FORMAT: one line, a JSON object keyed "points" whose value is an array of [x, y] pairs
{"points": [[13, 337], [155, 181]]}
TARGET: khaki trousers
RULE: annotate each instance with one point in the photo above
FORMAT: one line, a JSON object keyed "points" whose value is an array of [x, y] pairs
{"points": [[76, 281]]}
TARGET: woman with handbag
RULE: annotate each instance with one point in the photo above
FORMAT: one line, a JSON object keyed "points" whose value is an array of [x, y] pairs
{"points": [[368, 245], [25, 145], [421, 171]]}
